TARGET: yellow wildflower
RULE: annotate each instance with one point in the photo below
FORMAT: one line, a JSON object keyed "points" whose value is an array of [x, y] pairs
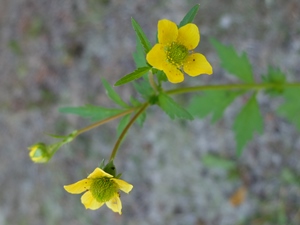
{"points": [[100, 188], [39, 153], [173, 53]]}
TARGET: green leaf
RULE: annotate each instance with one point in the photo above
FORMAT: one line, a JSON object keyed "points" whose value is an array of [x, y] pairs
{"points": [[113, 95], [276, 77], [290, 109], [123, 123], [143, 87], [141, 36], [139, 55], [15, 47], [213, 161], [133, 76], [170, 107], [212, 102], [189, 17], [92, 112], [290, 177], [248, 121], [238, 66], [161, 76]]}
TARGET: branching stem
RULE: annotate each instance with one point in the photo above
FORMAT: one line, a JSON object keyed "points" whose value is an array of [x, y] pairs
{"points": [[101, 122], [230, 87], [122, 135]]}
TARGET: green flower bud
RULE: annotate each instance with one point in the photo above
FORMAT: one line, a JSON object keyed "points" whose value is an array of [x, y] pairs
{"points": [[39, 153]]}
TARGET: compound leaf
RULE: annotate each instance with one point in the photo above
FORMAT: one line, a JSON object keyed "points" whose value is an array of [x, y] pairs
{"points": [[277, 77], [189, 17], [139, 72], [291, 107], [246, 123], [112, 94], [92, 112], [139, 55], [238, 66], [170, 107], [212, 102], [210, 160], [141, 36]]}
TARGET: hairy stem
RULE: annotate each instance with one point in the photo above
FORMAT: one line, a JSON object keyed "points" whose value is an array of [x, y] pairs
{"points": [[122, 135]]}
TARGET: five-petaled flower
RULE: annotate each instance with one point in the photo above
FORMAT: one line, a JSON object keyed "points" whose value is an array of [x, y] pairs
{"points": [[100, 188], [173, 53]]}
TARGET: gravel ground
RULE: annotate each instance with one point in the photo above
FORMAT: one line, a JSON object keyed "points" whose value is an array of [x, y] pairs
{"points": [[52, 54]]}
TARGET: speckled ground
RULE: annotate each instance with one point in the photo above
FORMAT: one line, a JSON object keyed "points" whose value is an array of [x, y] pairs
{"points": [[53, 53]]}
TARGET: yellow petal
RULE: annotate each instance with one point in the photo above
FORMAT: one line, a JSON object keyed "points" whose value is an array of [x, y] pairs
{"points": [[97, 173], [123, 185], [167, 31], [115, 204], [189, 36], [78, 187], [39, 159], [174, 75], [156, 57], [197, 64], [90, 202]]}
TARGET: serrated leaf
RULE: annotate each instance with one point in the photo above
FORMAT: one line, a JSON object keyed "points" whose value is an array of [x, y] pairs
{"points": [[139, 55], [290, 109], [246, 123], [169, 106], [214, 161], [133, 76], [112, 94], [141, 36], [135, 102], [123, 123], [143, 87], [212, 102], [277, 77], [92, 112], [141, 119], [238, 66], [189, 17]]}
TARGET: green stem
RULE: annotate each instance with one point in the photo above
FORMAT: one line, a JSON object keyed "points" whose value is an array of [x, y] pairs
{"points": [[230, 87], [94, 125], [122, 135], [151, 81]]}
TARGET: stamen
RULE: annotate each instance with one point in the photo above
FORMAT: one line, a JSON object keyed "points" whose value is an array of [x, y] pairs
{"points": [[103, 189], [176, 54]]}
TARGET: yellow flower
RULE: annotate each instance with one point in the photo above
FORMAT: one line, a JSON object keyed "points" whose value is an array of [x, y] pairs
{"points": [[39, 153], [100, 188], [173, 53]]}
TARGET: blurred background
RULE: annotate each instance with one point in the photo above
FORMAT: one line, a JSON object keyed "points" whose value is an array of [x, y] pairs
{"points": [[53, 54]]}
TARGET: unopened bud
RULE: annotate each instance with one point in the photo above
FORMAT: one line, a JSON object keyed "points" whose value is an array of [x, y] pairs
{"points": [[39, 153]]}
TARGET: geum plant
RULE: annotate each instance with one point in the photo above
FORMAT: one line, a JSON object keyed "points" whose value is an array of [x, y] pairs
{"points": [[168, 60]]}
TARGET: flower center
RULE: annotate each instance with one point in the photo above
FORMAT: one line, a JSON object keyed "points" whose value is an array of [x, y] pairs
{"points": [[103, 189], [176, 54]]}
